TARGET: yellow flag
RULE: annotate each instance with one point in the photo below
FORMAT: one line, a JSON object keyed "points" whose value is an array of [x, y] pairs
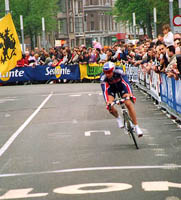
{"points": [[10, 49]]}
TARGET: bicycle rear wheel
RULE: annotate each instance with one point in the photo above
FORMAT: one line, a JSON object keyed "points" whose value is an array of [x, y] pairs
{"points": [[129, 127]]}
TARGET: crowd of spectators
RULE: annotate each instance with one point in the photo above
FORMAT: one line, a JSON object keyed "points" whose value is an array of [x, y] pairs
{"points": [[161, 55]]}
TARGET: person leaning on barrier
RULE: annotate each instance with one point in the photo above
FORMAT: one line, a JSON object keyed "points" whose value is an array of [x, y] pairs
{"points": [[75, 57], [177, 44], [172, 70], [163, 57], [179, 65], [110, 56]]}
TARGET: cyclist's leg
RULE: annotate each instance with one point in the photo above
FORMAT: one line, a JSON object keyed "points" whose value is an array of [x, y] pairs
{"points": [[132, 114], [131, 108], [114, 112], [112, 109], [128, 92]]}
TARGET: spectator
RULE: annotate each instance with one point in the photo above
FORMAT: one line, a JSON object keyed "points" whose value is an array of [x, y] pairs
{"points": [[168, 38], [171, 69], [48, 60], [177, 44], [159, 40], [163, 58], [31, 58], [103, 56], [92, 56], [75, 57]]}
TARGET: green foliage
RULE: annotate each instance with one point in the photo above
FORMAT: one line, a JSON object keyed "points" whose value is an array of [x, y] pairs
{"points": [[144, 11], [32, 11]]}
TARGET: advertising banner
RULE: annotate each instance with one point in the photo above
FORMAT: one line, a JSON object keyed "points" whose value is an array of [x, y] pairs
{"points": [[178, 96], [41, 73], [170, 91], [132, 73], [155, 85], [141, 77]]}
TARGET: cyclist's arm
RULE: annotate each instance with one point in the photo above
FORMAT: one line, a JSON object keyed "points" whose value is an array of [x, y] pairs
{"points": [[105, 87]]}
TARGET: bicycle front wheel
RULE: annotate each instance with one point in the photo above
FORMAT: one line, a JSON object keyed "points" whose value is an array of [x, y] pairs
{"points": [[134, 138], [129, 127]]}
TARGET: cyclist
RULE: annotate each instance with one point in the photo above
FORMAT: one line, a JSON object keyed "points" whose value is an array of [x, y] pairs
{"points": [[114, 80]]}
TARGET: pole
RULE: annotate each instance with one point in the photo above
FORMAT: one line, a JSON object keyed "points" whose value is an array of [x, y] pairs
{"points": [[155, 21], [43, 31], [171, 14], [6, 6], [134, 25], [179, 5], [22, 33]]}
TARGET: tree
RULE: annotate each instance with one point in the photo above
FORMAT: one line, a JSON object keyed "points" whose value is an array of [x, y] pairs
{"points": [[33, 11], [143, 9]]}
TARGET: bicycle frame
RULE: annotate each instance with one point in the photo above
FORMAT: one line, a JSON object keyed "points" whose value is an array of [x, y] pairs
{"points": [[128, 124]]}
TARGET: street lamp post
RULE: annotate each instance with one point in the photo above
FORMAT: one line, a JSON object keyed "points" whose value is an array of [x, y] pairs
{"points": [[179, 5], [22, 33], [6, 6], [43, 31], [155, 21], [134, 25], [171, 14]]}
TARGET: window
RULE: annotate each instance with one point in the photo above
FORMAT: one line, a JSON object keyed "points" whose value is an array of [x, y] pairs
{"points": [[71, 25], [62, 5], [78, 25], [62, 24], [91, 2], [80, 6], [72, 43], [92, 26], [69, 4]]}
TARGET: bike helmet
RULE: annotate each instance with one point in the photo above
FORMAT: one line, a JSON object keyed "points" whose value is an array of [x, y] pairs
{"points": [[108, 67]]}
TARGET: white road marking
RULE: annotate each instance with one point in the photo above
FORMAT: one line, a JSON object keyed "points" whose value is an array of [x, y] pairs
{"points": [[153, 186], [88, 133], [21, 193], [7, 99], [172, 198], [168, 167], [75, 95], [159, 186], [22, 127], [161, 155], [76, 189]]}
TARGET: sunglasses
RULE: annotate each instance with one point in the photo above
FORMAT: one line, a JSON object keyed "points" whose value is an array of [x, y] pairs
{"points": [[109, 72]]}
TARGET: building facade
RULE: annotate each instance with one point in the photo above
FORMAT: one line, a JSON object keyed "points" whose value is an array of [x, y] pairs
{"points": [[82, 21]]}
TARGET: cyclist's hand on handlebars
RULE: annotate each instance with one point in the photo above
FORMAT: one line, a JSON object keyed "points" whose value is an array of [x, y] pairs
{"points": [[108, 105]]}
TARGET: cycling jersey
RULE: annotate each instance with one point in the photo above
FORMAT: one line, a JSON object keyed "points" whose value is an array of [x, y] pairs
{"points": [[119, 83]]}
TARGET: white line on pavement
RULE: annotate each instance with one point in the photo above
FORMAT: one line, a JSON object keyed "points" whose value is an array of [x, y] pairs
{"points": [[22, 127], [168, 167]]}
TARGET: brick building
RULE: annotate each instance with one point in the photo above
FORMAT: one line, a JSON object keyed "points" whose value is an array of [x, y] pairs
{"points": [[82, 21]]}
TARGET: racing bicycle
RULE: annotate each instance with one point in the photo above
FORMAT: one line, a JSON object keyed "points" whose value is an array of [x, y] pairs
{"points": [[128, 124]]}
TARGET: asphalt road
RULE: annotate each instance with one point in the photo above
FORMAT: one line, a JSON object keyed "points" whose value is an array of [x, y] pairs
{"points": [[59, 142]]}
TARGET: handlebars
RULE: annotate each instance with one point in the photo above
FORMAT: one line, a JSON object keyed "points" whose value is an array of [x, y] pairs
{"points": [[119, 101]]}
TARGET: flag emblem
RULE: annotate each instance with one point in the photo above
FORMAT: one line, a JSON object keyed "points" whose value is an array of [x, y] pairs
{"points": [[10, 49]]}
